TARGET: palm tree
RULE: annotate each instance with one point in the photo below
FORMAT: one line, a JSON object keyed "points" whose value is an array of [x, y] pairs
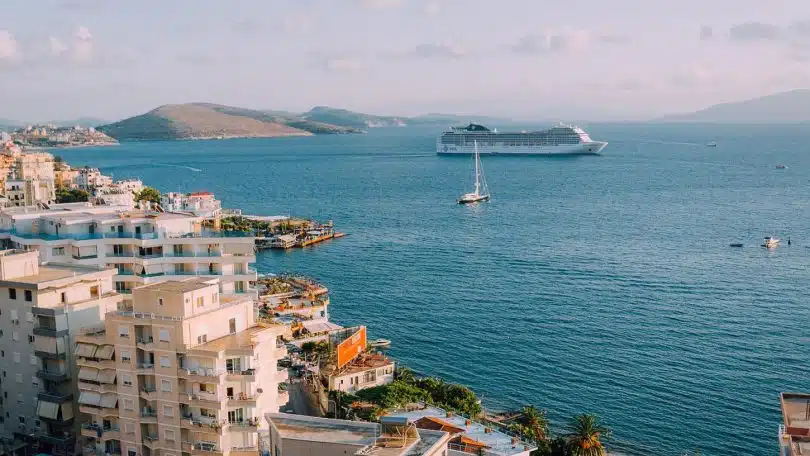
{"points": [[534, 423], [584, 432], [405, 374]]}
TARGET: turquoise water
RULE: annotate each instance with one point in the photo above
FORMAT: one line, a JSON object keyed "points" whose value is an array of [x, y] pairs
{"points": [[600, 284]]}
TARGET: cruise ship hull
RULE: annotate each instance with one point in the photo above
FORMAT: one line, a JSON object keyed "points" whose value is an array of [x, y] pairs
{"points": [[584, 148]]}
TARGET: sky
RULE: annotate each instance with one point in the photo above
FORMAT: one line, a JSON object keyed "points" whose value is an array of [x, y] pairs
{"points": [[528, 59]]}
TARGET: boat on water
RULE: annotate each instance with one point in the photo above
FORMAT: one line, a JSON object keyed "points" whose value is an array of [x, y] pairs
{"points": [[781, 167], [380, 343], [736, 244], [711, 144], [770, 242], [559, 140], [481, 192]]}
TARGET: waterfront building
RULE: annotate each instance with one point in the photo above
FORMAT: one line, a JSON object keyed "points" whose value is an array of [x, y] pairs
{"points": [[42, 308], [90, 178], [794, 432], [201, 204], [365, 371], [298, 435], [144, 246], [114, 196], [192, 372], [467, 436]]}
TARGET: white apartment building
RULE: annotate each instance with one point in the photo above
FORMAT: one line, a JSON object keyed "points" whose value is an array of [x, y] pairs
{"points": [[90, 178], [41, 310], [202, 204], [144, 246], [192, 372]]}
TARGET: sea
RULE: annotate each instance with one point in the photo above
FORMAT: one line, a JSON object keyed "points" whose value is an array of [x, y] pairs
{"points": [[599, 284]]}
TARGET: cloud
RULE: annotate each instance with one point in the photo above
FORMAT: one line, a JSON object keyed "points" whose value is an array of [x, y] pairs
{"points": [[432, 8], [8, 45], [82, 45], [438, 51], [566, 41], [381, 4], [614, 39], [57, 46], [801, 28], [706, 33], [343, 64], [300, 22], [754, 31], [246, 26]]}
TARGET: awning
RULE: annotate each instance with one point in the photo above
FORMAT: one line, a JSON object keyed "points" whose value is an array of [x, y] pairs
{"points": [[47, 409], [105, 352], [320, 326], [89, 398], [106, 376], [88, 373], [86, 350], [109, 400], [67, 411]]}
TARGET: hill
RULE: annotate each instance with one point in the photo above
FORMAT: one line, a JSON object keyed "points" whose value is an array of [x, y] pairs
{"points": [[207, 120], [784, 107], [346, 118]]}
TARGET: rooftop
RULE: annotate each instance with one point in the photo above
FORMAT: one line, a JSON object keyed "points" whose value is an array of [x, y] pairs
{"points": [[364, 362], [366, 436], [51, 272], [180, 286], [498, 442], [242, 339]]}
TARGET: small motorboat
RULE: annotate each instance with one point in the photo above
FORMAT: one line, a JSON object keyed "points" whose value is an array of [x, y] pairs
{"points": [[781, 167], [711, 144], [380, 343], [736, 244], [770, 242]]}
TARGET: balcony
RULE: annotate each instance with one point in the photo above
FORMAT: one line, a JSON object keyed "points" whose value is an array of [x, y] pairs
{"points": [[150, 441], [148, 415], [237, 375], [200, 374], [49, 331], [205, 449], [201, 424], [53, 375], [244, 451], [242, 399], [251, 425], [145, 369], [148, 393], [55, 397], [112, 432], [85, 257], [145, 341], [201, 399], [65, 438], [98, 364]]}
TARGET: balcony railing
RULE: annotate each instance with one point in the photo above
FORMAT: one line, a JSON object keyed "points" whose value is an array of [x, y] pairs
{"points": [[117, 235], [148, 413], [241, 371], [85, 257], [144, 340]]}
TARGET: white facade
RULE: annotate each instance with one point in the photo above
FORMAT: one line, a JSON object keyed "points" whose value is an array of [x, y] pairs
{"points": [[145, 247], [201, 204], [90, 178]]}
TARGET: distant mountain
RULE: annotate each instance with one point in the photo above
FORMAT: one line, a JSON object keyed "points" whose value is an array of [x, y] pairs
{"points": [[81, 122], [456, 119], [346, 118], [207, 120], [785, 107]]}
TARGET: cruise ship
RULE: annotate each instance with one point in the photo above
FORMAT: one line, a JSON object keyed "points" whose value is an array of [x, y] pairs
{"points": [[559, 140]]}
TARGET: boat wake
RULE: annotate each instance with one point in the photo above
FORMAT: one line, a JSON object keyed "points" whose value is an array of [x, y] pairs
{"points": [[196, 170]]}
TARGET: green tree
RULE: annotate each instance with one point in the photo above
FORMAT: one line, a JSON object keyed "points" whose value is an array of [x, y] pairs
{"points": [[148, 194], [71, 195], [533, 424], [584, 434], [405, 374]]}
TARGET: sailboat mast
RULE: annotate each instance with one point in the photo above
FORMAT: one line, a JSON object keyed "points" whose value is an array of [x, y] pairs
{"points": [[477, 172]]}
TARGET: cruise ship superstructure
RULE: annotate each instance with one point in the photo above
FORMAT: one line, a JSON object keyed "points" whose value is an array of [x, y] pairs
{"points": [[559, 140]]}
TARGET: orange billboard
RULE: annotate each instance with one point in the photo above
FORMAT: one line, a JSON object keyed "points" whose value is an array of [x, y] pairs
{"points": [[351, 347]]}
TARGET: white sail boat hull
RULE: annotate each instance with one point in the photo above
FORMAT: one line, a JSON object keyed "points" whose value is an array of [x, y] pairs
{"points": [[477, 195]]}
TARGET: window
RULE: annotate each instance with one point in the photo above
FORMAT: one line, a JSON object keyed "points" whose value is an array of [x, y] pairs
{"points": [[163, 335], [63, 297], [34, 381], [29, 296], [132, 452], [160, 301], [126, 356], [22, 419], [16, 357], [20, 399], [126, 379], [233, 365], [33, 360], [166, 386], [58, 251], [200, 302], [123, 331], [168, 434], [15, 336], [168, 410], [165, 361], [214, 298], [12, 293], [30, 339], [14, 315], [202, 339], [232, 325], [129, 428], [129, 405], [94, 292], [18, 378]]}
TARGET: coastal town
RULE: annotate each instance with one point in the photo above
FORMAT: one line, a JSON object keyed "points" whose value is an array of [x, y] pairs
{"points": [[54, 136], [146, 330]]}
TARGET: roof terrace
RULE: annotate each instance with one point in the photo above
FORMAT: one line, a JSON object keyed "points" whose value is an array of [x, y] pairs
{"points": [[795, 432]]}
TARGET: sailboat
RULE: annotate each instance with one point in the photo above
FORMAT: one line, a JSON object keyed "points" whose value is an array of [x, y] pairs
{"points": [[481, 192]]}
